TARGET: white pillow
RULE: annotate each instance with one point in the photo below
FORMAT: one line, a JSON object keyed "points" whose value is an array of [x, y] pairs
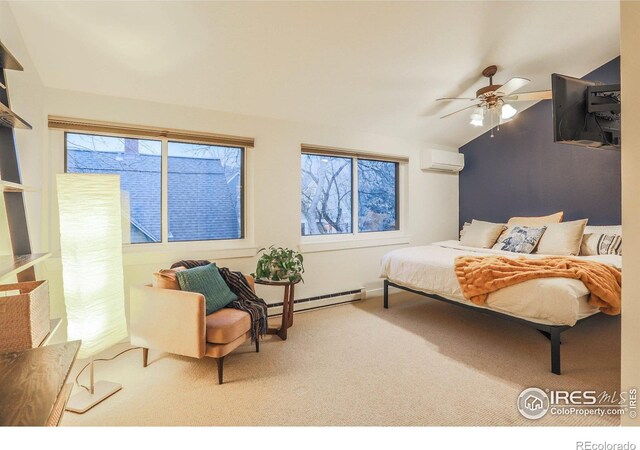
{"points": [[481, 234], [605, 229], [464, 229], [562, 238]]}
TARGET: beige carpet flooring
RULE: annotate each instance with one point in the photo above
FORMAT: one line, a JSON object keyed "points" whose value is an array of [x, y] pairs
{"points": [[422, 362]]}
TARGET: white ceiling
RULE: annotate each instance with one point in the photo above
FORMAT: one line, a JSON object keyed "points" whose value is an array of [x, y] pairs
{"points": [[373, 67]]}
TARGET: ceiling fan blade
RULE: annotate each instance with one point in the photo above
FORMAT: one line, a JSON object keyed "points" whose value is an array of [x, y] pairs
{"points": [[529, 96], [454, 98], [512, 85], [460, 110]]}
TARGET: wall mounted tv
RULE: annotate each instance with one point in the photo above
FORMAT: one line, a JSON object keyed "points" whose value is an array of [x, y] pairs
{"points": [[585, 113]]}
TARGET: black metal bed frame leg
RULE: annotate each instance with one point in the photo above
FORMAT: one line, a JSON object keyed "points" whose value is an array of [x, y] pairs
{"points": [[546, 334], [386, 294], [555, 350]]}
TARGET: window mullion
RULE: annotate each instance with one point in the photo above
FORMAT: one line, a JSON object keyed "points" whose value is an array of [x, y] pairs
{"points": [[355, 199], [165, 190], [399, 198]]}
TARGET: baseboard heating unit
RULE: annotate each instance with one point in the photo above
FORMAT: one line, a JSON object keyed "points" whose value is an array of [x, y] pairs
{"points": [[320, 301]]}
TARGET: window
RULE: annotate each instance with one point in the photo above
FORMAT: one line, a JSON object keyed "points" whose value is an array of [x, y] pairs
{"points": [[138, 162], [205, 192], [330, 201], [326, 194], [378, 195], [203, 185]]}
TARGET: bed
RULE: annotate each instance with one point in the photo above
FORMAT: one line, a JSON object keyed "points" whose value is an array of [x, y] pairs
{"points": [[551, 305]]}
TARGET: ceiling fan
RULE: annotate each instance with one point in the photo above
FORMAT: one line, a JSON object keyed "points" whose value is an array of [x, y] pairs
{"points": [[495, 100]]}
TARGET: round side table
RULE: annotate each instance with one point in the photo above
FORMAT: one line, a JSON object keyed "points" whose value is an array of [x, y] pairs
{"points": [[287, 305]]}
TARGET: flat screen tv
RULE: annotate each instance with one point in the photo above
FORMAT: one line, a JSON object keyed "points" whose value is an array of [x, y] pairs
{"points": [[585, 113]]}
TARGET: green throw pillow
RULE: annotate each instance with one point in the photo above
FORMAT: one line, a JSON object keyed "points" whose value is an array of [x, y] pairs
{"points": [[206, 280]]}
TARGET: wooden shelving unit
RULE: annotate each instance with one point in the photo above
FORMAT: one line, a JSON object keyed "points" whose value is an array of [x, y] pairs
{"points": [[10, 119], [14, 264], [22, 261], [32, 382], [7, 60], [8, 186]]}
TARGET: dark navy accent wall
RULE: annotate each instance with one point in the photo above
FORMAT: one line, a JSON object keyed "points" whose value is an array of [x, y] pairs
{"points": [[522, 172]]}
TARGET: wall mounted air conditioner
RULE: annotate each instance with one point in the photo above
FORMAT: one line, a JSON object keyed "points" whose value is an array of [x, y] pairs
{"points": [[441, 161]]}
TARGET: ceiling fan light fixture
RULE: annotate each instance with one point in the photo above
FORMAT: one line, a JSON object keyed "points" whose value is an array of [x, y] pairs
{"points": [[507, 111], [477, 117], [492, 100]]}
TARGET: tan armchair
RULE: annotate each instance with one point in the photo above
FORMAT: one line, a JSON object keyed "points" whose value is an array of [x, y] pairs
{"points": [[174, 321]]}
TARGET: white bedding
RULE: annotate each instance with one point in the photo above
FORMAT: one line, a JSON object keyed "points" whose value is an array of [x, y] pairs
{"points": [[550, 301]]}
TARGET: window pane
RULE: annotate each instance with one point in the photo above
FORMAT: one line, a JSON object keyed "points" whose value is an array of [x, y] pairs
{"points": [[326, 194], [205, 192], [138, 162], [377, 191]]}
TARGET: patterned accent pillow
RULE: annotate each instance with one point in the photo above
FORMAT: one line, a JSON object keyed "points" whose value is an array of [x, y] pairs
{"points": [[601, 244], [521, 239]]}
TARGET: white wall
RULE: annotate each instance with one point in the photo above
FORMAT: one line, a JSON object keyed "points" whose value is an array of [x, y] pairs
{"points": [[275, 165], [630, 76]]}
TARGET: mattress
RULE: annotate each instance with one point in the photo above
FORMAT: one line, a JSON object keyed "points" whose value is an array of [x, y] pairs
{"points": [[549, 301]]}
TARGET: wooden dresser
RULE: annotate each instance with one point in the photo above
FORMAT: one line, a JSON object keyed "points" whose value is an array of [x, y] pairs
{"points": [[33, 384]]}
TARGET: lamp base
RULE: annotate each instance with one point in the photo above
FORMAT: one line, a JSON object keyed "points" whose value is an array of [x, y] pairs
{"points": [[83, 401]]}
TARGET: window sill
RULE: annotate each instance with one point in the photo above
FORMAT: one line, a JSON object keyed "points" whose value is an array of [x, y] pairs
{"points": [[162, 254], [327, 245], [139, 255], [134, 255]]}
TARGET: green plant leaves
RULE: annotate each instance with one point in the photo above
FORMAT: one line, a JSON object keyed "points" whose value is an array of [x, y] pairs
{"points": [[278, 263]]}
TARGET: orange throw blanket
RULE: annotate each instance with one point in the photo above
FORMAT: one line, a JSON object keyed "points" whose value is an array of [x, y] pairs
{"points": [[481, 275]]}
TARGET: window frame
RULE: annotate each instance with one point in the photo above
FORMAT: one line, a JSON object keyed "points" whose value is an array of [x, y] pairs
{"points": [[397, 194], [356, 239], [353, 180], [162, 173], [244, 242], [242, 189]]}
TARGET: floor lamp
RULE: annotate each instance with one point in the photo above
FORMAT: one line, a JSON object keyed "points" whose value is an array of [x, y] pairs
{"points": [[91, 251]]}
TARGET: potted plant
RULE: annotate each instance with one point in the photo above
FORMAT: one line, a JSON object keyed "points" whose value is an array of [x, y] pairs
{"points": [[279, 264]]}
